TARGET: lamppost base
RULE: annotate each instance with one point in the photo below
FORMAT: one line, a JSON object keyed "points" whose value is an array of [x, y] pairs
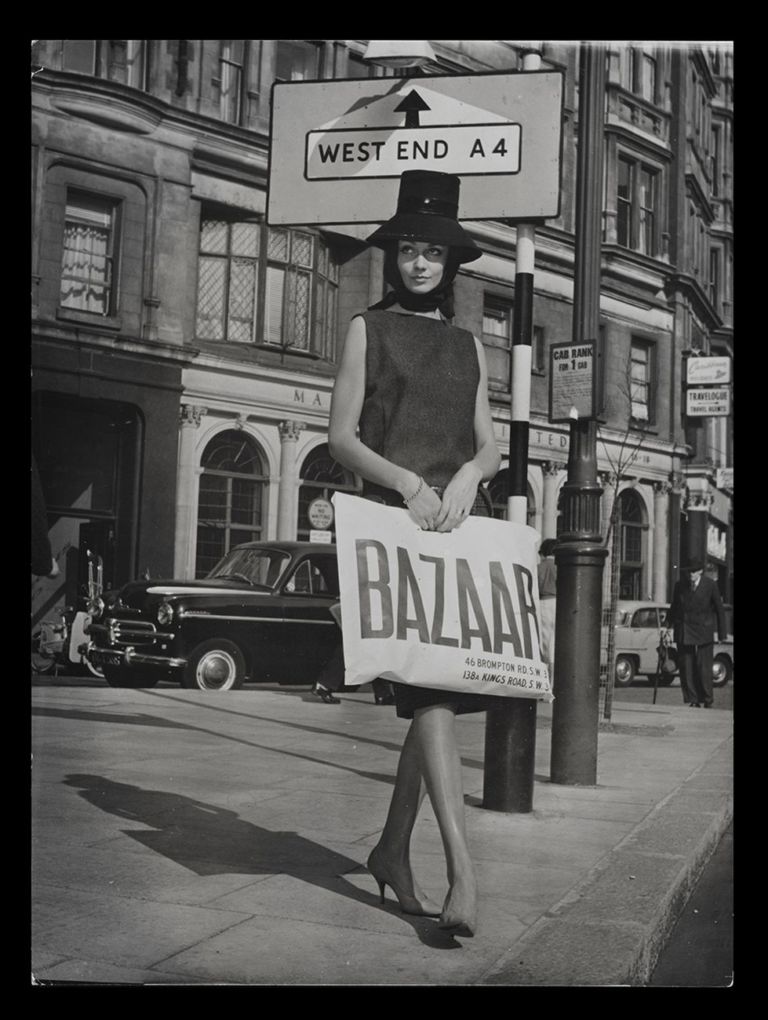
{"points": [[510, 743], [575, 711]]}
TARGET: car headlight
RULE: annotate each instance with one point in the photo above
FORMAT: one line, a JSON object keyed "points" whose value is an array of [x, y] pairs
{"points": [[164, 613], [95, 607]]}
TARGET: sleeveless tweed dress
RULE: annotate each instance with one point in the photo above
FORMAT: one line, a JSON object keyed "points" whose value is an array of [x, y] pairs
{"points": [[418, 412]]}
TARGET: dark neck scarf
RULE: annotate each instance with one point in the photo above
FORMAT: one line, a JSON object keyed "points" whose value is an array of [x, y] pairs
{"points": [[440, 298]]}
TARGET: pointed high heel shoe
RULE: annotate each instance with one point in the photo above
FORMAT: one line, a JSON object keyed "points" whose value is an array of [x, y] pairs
{"points": [[452, 922], [325, 695], [408, 904]]}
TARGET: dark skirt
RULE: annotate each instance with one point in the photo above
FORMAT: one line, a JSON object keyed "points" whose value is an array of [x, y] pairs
{"points": [[409, 698]]}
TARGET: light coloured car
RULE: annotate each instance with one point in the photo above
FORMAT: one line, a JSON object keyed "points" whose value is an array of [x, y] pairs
{"points": [[639, 629]]}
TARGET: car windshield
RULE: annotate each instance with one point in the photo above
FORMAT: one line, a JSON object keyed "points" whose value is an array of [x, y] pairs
{"points": [[646, 618], [261, 567]]}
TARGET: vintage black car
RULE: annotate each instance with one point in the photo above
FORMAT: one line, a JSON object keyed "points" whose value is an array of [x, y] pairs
{"points": [[261, 615]]}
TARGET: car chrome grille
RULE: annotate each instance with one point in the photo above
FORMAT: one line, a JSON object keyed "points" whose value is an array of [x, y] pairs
{"points": [[130, 632]]}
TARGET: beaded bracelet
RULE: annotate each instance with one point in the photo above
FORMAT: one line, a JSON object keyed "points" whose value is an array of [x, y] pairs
{"points": [[409, 499]]}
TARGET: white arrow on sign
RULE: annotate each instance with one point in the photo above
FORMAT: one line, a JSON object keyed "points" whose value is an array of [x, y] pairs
{"points": [[422, 131], [382, 110]]}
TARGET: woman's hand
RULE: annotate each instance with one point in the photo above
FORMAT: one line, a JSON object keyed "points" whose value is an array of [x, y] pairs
{"points": [[459, 497], [424, 508]]}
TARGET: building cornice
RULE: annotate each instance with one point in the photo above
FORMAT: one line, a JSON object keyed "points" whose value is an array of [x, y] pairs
{"points": [[684, 283], [215, 144], [640, 141], [91, 338], [701, 197]]}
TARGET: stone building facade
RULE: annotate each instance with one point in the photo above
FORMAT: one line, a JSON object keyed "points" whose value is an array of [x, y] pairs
{"points": [[184, 350]]}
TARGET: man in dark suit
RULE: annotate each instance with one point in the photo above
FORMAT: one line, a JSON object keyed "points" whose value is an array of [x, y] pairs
{"points": [[696, 607]]}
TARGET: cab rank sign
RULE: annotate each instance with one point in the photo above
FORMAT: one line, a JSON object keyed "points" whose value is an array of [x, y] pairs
{"points": [[571, 381], [338, 148]]}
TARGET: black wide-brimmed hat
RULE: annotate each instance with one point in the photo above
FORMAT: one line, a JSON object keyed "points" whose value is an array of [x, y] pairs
{"points": [[427, 207]]}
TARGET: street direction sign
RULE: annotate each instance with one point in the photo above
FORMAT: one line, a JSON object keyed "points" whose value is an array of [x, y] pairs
{"points": [[708, 402], [708, 371], [379, 152], [338, 148]]}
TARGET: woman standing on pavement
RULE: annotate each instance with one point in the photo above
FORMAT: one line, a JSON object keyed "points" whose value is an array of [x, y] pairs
{"points": [[410, 415]]}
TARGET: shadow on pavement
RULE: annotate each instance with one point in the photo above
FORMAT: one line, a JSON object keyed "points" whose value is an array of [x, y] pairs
{"points": [[210, 840]]}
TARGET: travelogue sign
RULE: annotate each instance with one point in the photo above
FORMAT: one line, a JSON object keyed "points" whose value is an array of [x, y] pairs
{"points": [[708, 402], [572, 381]]}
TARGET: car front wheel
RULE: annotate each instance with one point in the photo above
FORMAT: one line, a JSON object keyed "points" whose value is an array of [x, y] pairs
{"points": [[216, 665], [722, 670], [624, 673]]}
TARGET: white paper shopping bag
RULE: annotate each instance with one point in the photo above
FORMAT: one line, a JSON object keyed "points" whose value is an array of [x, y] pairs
{"points": [[457, 610]]}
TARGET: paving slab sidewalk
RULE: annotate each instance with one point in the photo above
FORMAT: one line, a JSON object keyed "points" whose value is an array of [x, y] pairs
{"points": [[186, 838]]}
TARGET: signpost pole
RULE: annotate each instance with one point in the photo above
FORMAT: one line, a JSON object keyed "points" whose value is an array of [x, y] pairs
{"points": [[510, 729]]}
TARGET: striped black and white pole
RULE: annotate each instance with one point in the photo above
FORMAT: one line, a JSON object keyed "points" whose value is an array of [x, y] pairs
{"points": [[510, 728], [520, 382]]}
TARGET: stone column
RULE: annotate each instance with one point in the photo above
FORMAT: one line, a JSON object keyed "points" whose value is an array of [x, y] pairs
{"points": [[187, 475], [286, 493], [661, 491], [608, 482], [551, 471]]}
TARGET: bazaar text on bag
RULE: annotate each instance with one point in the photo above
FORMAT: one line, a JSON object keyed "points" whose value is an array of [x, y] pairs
{"points": [[509, 603]]}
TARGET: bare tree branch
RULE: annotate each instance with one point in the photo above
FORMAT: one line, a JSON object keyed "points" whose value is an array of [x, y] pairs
{"points": [[620, 463]]}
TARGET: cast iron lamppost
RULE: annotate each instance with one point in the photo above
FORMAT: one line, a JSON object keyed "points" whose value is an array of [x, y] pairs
{"points": [[399, 53], [579, 555]]}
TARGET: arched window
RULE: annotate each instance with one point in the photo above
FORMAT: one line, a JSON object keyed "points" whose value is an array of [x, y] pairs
{"points": [[231, 505], [499, 487], [633, 528], [321, 476]]}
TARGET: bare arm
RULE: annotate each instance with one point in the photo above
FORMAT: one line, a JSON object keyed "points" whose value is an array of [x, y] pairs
{"points": [[459, 495], [344, 443]]}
